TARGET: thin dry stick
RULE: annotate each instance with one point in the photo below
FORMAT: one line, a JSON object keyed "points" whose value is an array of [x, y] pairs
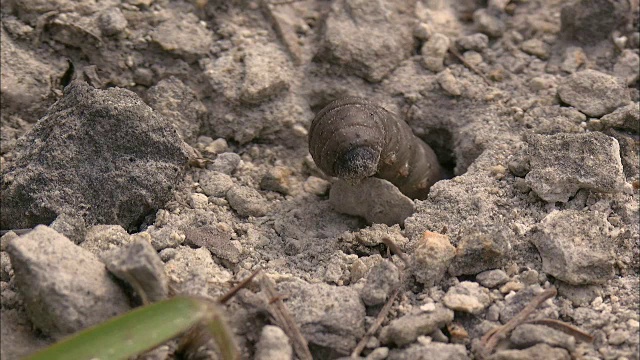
{"points": [[491, 338], [284, 320], [471, 67], [224, 298], [396, 250], [374, 327], [564, 327]]}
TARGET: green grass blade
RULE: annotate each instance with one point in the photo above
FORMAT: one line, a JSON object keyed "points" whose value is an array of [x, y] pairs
{"points": [[131, 333]]}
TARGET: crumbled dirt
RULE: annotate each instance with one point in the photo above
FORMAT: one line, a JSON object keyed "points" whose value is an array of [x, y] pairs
{"points": [[531, 106]]}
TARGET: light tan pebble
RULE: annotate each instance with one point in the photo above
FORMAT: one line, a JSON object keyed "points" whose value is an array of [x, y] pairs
{"points": [[315, 185]]}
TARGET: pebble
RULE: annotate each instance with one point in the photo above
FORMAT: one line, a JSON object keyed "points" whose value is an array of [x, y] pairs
{"points": [[430, 350], [476, 42], [492, 278], [480, 250], [448, 82], [273, 344], [592, 92], [467, 297], [217, 240], [431, 258], [618, 337], [247, 201], [488, 24], [627, 67], [111, 21], [408, 328], [101, 238], [184, 36], [434, 51], [315, 185], [215, 183], [225, 163], [277, 179], [198, 201], [383, 278], [536, 352], [267, 73], [574, 57], [626, 118], [526, 335], [536, 47], [73, 227]]}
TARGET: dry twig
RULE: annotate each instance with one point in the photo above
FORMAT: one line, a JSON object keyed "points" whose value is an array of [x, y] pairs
{"points": [[224, 298], [564, 327], [470, 66], [374, 327]]}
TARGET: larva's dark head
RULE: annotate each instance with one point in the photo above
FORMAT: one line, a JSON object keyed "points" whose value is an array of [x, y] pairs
{"points": [[356, 164]]}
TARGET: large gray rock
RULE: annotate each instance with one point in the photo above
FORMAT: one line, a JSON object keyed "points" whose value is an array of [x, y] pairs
{"points": [[330, 317], [564, 163], [576, 246], [65, 288], [100, 154], [593, 93]]}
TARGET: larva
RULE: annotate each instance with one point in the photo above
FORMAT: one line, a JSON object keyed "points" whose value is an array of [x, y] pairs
{"points": [[352, 138]]}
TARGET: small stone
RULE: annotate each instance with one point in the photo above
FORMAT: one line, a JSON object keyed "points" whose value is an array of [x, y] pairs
{"points": [[467, 297], [526, 335], [432, 255], [536, 352], [143, 76], [225, 163], [625, 118], [511, 286], [627, 67], [215, 183], [430, 351], [315, 185], [184, 36], [111, 21], [473, 57], [217, 146], [376, 200], [198, 201], [247, 201], [406, 329], [101, 238], [64, 287], [492, 278], [448, 82], [434, 51], [568, 254], [536, 47], [192, 271], [277, 179], [488, 23], [480, 250], [592, 92], [217, 240], [476, 42], [618, 337], [380, 353], [579, 295], [564, 163], [574, 58], [266, 73], [423, 31], [138, 264], [273, 344], [516, 302], [383, 278], [73, 227], [589, 22]]}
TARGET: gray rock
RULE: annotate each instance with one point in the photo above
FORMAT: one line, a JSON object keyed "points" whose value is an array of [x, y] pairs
{"points": [[64, 287], [430, 351], [564, 163], [215, 183], [589, 22], [191, 271], [330, 317], [277, 179], [138, 264], [184, 36], [273, 345], [625, 118], [573, 59], [537, 352], [536, 47], [492, 278], [526, 335], [18, 338], [579, 295], [380, 353], [475, 42], [467, 297], [449, 83], [376, 200], [568, 254], [480, 250], [383, 278], [514, 304], [431, 258], [487, 23], [266, 73], [179, 104], [406, 329], [102, 238], [216, 240], [627, 66], [247, 201], [592, 92], [73, 227], [434, 51], [367, 38], [101, 154], [111, 21], [225, 163]]}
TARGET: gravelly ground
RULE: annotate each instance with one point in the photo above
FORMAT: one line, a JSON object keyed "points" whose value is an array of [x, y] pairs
{"points": [[532, 106]]}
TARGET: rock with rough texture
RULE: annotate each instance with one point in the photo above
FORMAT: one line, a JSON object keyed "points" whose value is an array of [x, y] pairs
{"points": [[526, 335], [215, 183], [102, 238], [101, 154], [480, 250], [537, 352], [487, 23], [376, 200], [65, 288], [277, 179], [564, 163], [273, 344], [179, 104], [138, 264], [467, 297], [329, 317], [431, 258], [73, 227], [266, 73], [366, 38], [191, 271], [430, 351], [247, 201], [579, 295], [627, 67], [625, 118], [576, 246], [593, 93], [492, 278], [383, 278], [589, 22], [184, 36], [217, 240], [406, 329], [434, 52]]}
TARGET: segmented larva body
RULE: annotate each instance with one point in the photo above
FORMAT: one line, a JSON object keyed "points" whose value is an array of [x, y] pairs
{"points": [[352, 138]]}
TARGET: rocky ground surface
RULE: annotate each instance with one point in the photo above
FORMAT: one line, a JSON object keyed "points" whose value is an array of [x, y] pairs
{"points": [[178, 157]]}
